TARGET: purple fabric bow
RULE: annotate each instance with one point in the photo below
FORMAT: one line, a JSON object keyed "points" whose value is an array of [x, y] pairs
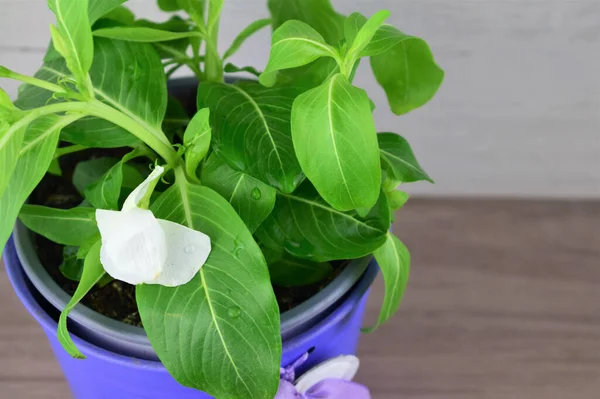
{"points": [[326, 389]]}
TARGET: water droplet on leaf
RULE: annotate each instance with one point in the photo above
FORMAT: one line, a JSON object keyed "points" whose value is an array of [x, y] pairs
{"points": [[190, 249], [256, 194], [234, 312]]}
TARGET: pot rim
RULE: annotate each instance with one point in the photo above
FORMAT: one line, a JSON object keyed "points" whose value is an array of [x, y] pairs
{"points": [[293, 322], [25, 292]]}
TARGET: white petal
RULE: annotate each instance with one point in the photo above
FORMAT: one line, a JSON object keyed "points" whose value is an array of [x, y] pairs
{"points": [[134, 246], [340, 368], [140, 191], [187, 251]]}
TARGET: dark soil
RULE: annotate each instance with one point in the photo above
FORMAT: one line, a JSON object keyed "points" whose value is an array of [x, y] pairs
{"points": [[117, 299]]}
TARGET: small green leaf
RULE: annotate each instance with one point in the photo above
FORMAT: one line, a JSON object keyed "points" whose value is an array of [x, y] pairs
{"points": [[91, 171], [317, 13], [214, 13], [397, 199], [310, 76], [230, 68], [169, 5], [87, 245], [196, 140], [63, 226], [251, 130], [398, 159], [71, 266], [37, 151], [74, 36], [54, 168], [228, 310], [105, 193], [358, 40], [195, 8], [244, 35], [173, 48], [100, 8], [92, 273], [309, 228], [404, 66], [394, 261], [336, 143], [294, 44], [252, 199], [142, 34], [294, 272], [122, 15]]}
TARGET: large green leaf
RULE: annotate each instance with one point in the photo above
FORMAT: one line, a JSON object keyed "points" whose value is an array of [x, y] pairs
{"points": [[251, 130], [64, 226], [336, 143], [317, 13], [37, 151], [398, 159], [294, 44], [92, 273], [394, 261], [73, 37], [196, 140], [404, 66], [220, 332], [99, 8], [252, 199], [11, 137], [307, 227], [244, 35]]}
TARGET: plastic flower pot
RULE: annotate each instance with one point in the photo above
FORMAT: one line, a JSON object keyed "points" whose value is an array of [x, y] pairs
{"points": [[112, 371]]}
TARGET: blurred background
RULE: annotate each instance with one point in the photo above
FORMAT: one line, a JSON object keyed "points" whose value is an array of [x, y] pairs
{"points": [[504, 300]]}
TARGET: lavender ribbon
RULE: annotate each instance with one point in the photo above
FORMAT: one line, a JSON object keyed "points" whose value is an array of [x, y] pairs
{"points": [[326, 389]]}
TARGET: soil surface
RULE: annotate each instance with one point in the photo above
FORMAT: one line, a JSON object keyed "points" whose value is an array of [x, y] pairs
{"points": [[117, 299]]}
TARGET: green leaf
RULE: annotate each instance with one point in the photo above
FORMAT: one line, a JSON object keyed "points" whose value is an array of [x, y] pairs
{"points": [[99, 8], [63, 226], [37, 151], [98, 133], [228, 310], [397, 199], [74, 36], [122, 15], [251, 130], [317, 13], [359, 39], [71, 266], [91, 171], [293, 272], [398, 159], [105, 193], [336, 143], [252, 199], [197, 141], [174, 48], [309, 228], [176, 119], [54, 168], [195, 8], [230, 68], [394, 261], [11, 138], [92, 273], [294, 44], [310, 76], [244, 35], [142, 34], [404, 66], [214, 13], [169, 5]]}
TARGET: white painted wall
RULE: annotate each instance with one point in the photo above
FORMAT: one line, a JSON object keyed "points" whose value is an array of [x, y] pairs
{"points": [[518, 114]]}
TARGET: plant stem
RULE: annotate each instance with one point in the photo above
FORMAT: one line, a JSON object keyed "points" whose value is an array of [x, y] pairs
{"points": [[69, 150], [101, 110], [213, 61], [7, 73]]}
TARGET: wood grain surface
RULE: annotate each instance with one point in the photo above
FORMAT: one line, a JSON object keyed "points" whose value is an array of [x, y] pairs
{"points": [[504, 302]]}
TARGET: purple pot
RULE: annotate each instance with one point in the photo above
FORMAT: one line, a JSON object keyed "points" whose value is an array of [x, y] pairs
{"points": [[106, 374]]}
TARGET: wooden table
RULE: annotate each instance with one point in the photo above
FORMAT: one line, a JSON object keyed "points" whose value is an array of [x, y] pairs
{"points": [[504, 302]]}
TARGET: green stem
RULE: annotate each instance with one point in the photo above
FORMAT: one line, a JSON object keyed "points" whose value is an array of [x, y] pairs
{"points": [[180, 176], [101, 110], [7, 73], [69, 150], [182, 56], [213, 61]]}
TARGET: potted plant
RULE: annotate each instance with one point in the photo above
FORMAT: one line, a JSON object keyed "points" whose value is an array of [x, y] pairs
{"points": [[229, 226]]}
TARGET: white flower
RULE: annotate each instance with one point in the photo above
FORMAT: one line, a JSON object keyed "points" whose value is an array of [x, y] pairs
{"points": [[138, 248]]}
